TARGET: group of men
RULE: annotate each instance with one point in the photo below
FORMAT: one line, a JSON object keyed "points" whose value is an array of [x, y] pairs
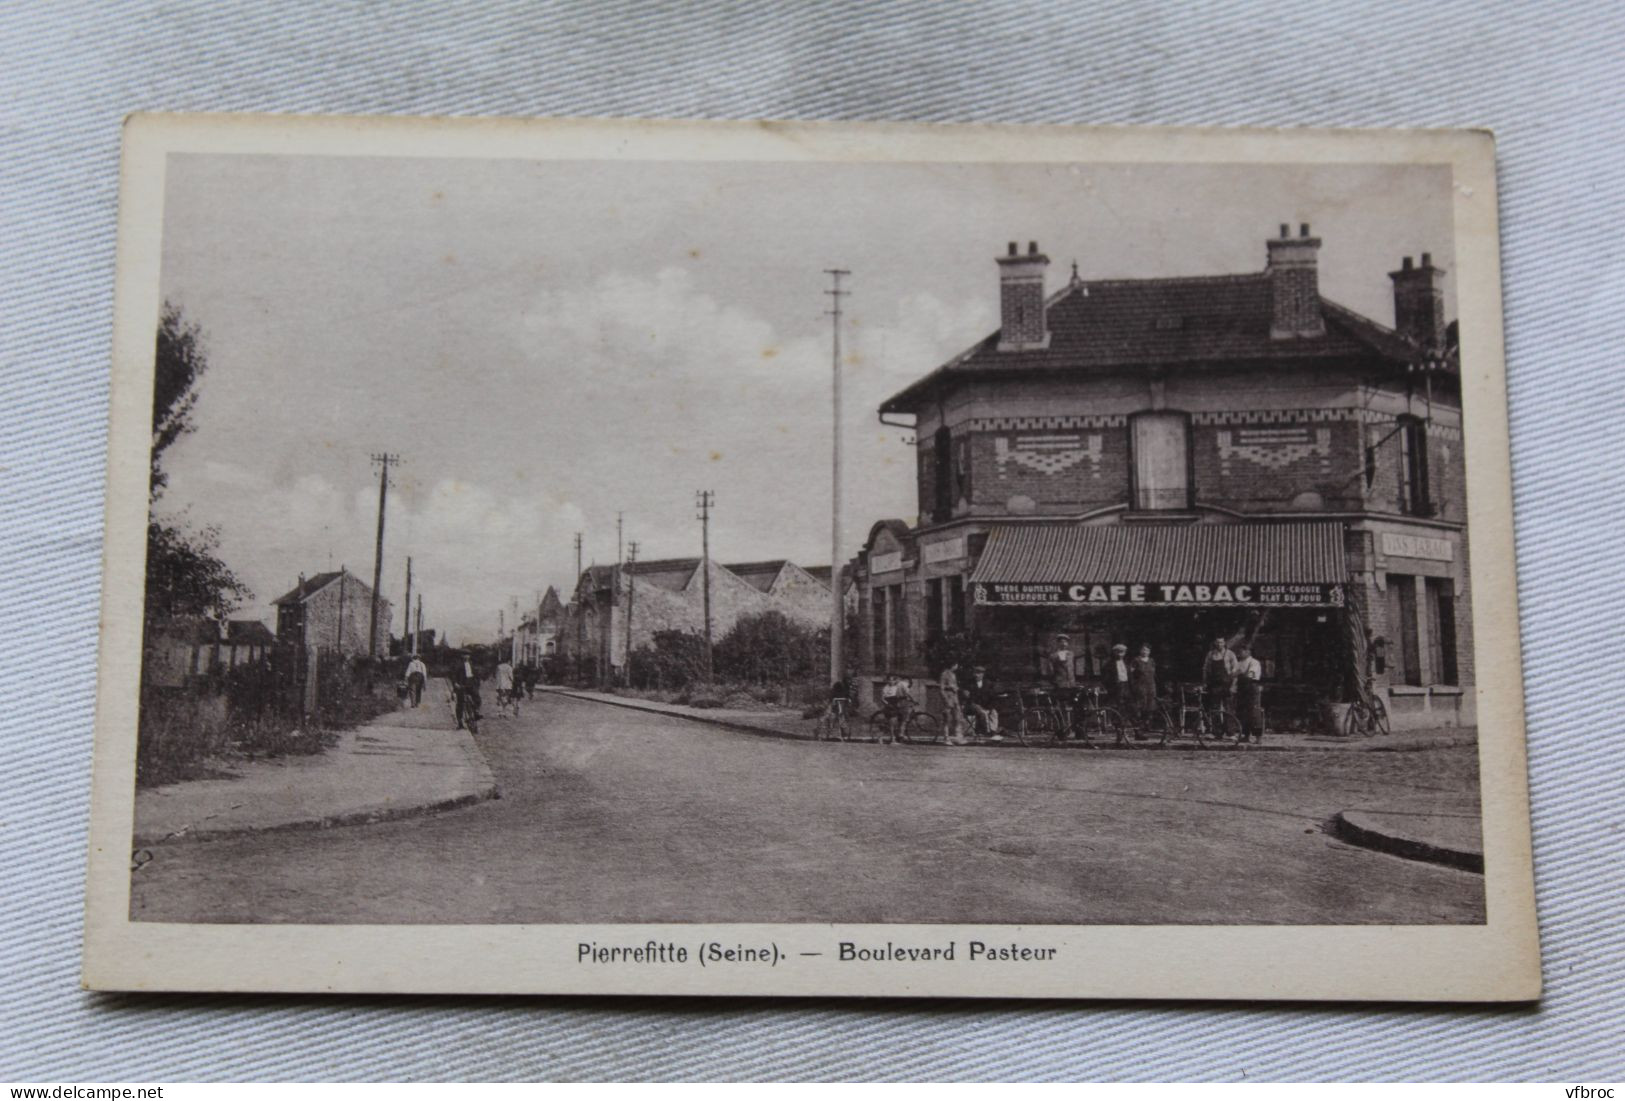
{"points": [[1230, 678]]}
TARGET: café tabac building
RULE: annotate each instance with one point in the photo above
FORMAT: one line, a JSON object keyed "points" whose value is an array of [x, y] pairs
{"points": [[1161, 461]]}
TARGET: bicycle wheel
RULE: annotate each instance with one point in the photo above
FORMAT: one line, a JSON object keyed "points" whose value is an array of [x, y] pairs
{"points": [[1224, 727], [922, 727], [1379, 716], [1034, 728], [1357, 723], [1157, 725]]}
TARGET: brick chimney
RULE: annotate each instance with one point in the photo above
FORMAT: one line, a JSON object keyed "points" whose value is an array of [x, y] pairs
{"points": [[1295, 285], [1022, 326], [1419, 301]]}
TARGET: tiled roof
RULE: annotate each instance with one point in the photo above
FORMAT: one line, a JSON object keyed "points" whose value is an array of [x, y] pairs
{"points": [[248, 632], [667, 573], [1107, 325], [311, 586], [1193, 554], [759, 575]]}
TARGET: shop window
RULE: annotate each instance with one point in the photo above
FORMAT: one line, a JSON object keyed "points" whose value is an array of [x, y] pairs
{"points": [[933, 606], [1407, 656], [957, 613], [1413, 467], [942, 446], [1441, 609], [1162, 471], [898, 649]]}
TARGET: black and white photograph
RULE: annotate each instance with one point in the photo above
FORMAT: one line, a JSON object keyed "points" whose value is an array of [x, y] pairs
{"points": [[764, 556]]}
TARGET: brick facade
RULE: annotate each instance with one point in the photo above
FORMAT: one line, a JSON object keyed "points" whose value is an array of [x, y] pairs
{"points": [[330, 612]]}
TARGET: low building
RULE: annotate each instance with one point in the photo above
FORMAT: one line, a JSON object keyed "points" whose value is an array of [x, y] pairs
{"points": [[614, 607], [1161, 461], [329, 612], [537, 636]]}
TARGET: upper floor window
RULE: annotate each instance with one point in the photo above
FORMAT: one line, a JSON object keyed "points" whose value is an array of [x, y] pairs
{"points": [[1162, 469], [1414, 497]]}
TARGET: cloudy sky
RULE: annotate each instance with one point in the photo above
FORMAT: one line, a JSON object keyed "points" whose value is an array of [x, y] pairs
{"points": [[548, 343]]}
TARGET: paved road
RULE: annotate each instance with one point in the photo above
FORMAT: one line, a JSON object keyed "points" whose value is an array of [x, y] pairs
{"points": [[610, 815]]}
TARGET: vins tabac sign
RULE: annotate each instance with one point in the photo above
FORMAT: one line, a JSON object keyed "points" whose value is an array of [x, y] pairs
{"points": [[1151, 594]]}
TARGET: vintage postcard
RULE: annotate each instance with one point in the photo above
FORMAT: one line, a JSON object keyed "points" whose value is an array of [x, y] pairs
{"points": [[721, 558]]}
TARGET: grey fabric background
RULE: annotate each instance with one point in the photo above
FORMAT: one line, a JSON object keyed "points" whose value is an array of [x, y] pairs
{"points": [[1546, 77]]}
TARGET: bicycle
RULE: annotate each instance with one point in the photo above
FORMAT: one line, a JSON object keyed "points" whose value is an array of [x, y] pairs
{"points": [[1213, 721], [832, 723], [1040, 718], [465, 709], [1153, 723], [1367, 716], [920, 728], [1092, 719]]}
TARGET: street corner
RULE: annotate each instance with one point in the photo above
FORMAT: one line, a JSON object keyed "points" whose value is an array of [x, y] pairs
{"points": [[1448, 833]]}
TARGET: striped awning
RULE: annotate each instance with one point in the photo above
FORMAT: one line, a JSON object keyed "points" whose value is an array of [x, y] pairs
{"points": [[1196, 564]]}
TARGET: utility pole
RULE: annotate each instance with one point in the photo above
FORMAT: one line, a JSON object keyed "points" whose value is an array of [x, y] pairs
{"points": [[631, 582], [837, 619], [417, 635], [513, 651], [578, 558], [407, 628], [705, 499], [339, 642], [384, 460]]}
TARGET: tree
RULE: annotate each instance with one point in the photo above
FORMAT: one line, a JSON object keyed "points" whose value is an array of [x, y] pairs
{"points": [[185, 577], [180, 362]]}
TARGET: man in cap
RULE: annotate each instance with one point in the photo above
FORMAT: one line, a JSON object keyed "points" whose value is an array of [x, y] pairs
{"points": [[1061, 671]]}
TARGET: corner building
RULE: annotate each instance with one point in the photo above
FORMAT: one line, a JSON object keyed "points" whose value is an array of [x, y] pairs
{"points": [[1160, 461]]}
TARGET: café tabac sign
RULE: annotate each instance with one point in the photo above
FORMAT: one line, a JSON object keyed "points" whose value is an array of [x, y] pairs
{"points": [[1154, 594]]}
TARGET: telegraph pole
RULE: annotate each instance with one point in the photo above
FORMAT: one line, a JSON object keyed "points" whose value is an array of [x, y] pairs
{"points": [[384, 460], [837, 619], [578, 558], [631, 581], [705, 499], [407, 629], [417, 635]]}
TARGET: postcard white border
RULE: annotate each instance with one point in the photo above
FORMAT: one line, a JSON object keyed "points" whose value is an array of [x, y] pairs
{"points": [[1496, 961]]}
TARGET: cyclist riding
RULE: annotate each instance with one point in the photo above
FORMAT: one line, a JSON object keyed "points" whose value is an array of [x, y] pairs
{"points": [[465, 690]]}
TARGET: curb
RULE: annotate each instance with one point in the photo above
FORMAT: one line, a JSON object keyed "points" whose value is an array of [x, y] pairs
{"points": [[730, 724], [770, 732], [1369, 838], [333, 821]]}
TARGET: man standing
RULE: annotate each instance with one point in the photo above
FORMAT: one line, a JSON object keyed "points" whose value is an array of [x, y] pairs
{"points": [[952, 717], [1115, 678], [1061, 670], [983, 703], [417, 675], [1249, 672], [1142, 684], [507, 691], [1219, 675]]}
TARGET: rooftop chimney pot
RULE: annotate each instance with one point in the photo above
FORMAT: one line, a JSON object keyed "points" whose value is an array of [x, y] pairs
{"points": [[1294, 285], [1419, 301], [1303, 229], [1406, 266], [1022, 306], [1286, 230], [1427, 259]]}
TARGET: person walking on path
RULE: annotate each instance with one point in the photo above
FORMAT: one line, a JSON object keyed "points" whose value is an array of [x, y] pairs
{"points": [[953, 718], [417, 675], [507, 691], [1249, 672]]}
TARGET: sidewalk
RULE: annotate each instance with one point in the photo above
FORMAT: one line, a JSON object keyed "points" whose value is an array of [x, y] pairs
{"points": [[402, 764], [789, 724], [1449, 835]]}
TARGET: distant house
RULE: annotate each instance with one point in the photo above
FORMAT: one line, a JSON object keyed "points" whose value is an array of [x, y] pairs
{"points": [[181, 650], [329, 612], [245, 640], [538, 630]]}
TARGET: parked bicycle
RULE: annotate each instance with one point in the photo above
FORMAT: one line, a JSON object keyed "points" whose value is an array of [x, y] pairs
{"points": [[1092, 721], [1204, 717], [919, 728], [1367, 716]]}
